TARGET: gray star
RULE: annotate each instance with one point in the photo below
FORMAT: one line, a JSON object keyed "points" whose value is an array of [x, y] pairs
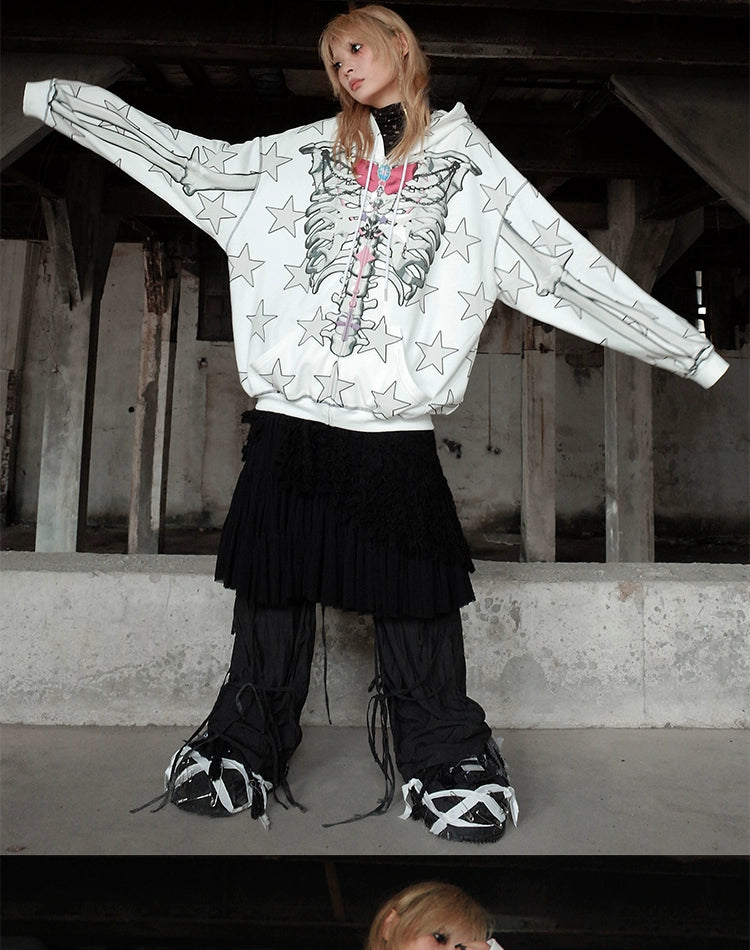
{"points": [[161, 171], [498, 198], [561, 304], [434, 353], [548, 237], [608, 266], [276, 377], [218, 159], [286, 217], [460, 241], [214, 211], [378, 339], [511, 283], [315, 126], [299, 277], [313, 329], [272, 162], [477, 304], [242, 265], [477, 137], [123, 110], [332, 387], [258, 320], [422, 296], [440, 408], [168, 128], [387, 404]]}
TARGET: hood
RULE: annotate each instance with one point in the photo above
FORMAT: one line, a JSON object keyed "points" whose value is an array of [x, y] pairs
{"points": [[444, 124]]}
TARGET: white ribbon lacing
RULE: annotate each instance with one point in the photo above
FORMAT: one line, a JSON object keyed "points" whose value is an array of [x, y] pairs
{"points": [[468, 798]]}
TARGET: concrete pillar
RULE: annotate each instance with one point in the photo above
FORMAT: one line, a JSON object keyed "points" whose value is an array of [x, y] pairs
{"points": [[638, 247], [153, 412], [19, 263], [628, 459], [538, 444], [81, 241]]}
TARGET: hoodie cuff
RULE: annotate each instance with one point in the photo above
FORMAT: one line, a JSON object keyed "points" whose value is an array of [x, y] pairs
{"points": [[711, 369], [35, 99]]}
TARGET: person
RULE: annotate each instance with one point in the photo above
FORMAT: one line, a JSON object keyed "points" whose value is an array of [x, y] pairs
{"points": [[365, 252], [430, 915]]}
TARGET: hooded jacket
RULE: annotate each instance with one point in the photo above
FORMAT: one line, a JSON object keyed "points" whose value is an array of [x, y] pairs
{"points": [[359, 295]]}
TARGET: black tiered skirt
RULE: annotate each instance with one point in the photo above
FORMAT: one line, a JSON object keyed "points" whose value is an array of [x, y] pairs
{"points": [[360, 521]]}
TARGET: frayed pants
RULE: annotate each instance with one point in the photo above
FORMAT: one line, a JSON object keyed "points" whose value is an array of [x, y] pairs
{"points": [[420, 674]]}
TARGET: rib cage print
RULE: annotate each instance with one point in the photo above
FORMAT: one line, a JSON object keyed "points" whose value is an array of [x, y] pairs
{"points": [[381, 228]]}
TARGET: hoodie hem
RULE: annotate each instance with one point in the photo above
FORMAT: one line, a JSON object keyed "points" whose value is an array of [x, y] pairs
{"points": [[358, 420]]}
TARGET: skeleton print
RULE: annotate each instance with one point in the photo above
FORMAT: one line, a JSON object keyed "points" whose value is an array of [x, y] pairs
{"points": [[382, 226]]}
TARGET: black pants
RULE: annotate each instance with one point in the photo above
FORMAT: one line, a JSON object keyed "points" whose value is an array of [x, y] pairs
{"points": [[421, 673]]}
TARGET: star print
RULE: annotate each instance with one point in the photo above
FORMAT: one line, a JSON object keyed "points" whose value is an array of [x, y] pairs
{"points": [[168, 128], [422, 296], [313, 329], [548, 237], [498, 198], [313, 126], [608, 266], [122, 110], [387, 405], [272, 162], [242, 265], [299, 277], [332, 387], [259, 319], [477, 304], [218, 159], [286, 217], [476, 137], [434, 352], [277, 378], [379, 339], [440, 408], [460, 241], [214, 211], [562, 304], [163, 172], [511, 282]]}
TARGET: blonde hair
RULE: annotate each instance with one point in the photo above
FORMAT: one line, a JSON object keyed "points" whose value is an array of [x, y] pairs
{"points": [[427, 908], [384, 32]]}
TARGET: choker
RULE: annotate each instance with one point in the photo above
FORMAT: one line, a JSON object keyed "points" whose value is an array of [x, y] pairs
{"points": [[391, 121]]}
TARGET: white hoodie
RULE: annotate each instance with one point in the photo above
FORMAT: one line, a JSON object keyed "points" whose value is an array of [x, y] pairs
{"points": [[362, 306]]}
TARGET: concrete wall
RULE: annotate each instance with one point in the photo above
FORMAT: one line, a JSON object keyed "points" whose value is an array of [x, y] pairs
{"points": [[701, 437], [121, 640]]}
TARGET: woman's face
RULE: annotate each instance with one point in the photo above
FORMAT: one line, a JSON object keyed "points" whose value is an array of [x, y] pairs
{"points": [[368, 79]]}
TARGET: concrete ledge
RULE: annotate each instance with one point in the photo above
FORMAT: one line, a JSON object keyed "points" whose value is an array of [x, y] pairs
{"points": [[103, 639]]}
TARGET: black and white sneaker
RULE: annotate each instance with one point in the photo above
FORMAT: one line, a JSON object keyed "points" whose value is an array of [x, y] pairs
{"points": [[468, 801], [209, 782]]}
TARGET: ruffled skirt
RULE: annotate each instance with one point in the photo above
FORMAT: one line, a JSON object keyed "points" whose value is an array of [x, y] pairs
{"points": [[360, 521]]}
